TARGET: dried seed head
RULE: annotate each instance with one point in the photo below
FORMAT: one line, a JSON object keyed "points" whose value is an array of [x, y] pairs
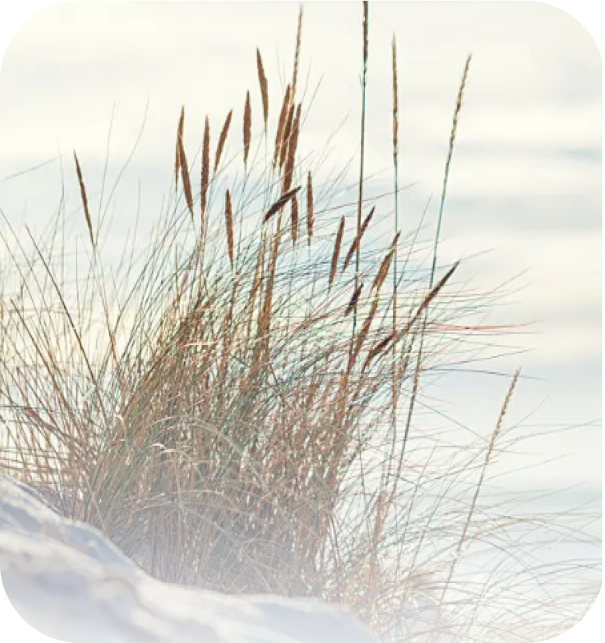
{"points": [[221, 141], [357, 239], [247, 127], [379, 348], [362, 336], [292, 145], [382, 345], [179, 137], [459, 100], [336, 252], [386, 264], [280, 126], [309, 208], [262, 81], [354, 299], [185, 176], [229, 225], [279, 204], [286, 136], [503, 411], [205, 177], [395, 104], [84, 200], [294, 220], [365, 34], [297, 53]]}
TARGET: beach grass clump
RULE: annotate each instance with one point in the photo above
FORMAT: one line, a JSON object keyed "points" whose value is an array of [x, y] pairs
{"points": [[235, 406]]}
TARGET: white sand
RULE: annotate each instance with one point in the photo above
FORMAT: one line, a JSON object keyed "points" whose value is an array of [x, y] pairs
{"points": [[70, 583]]}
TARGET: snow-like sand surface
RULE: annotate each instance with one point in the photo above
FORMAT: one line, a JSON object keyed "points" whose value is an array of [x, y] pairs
{"points": [[66, 580]]}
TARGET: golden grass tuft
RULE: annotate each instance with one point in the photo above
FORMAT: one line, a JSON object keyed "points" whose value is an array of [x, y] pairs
{"points": [[209, 409]]}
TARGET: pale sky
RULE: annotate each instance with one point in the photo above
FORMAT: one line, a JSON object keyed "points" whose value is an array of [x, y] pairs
{"points": [[526, 176]]}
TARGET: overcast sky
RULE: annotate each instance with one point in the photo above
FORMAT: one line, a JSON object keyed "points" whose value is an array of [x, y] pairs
{"points": [[525, 182]]}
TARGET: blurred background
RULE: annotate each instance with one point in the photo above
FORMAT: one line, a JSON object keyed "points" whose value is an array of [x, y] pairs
{"points": [[524, 198]]}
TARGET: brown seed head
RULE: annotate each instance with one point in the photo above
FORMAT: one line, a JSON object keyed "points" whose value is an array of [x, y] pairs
{"points": [[262, 81], [221, 141], [247, 127]]}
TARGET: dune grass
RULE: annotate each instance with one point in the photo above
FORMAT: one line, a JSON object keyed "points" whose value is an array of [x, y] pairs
{"points": [[235, 408]]}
